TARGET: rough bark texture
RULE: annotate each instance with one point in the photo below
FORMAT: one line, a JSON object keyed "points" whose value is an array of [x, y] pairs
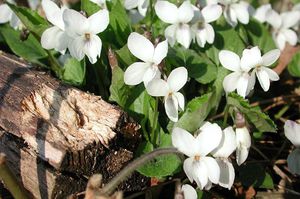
{"points": [[55, 136]]}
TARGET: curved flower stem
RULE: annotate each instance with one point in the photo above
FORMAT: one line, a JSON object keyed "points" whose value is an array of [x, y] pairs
{"points": [[154, 133], [10, 181], [111, 186], [55, 67]]}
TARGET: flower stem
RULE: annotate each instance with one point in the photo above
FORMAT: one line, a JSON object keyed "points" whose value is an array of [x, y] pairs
{"points": [[225, 115], [111, 186], [55, 67], [154, 133]]}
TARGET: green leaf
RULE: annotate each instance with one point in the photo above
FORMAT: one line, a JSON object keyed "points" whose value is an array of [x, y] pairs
{"points": [[74, 72], [199, 66], [119, 23], [260, 36], [294, 65], [31, 19], [255, 175], [118, 90], [195, 113], [161, 166], [29, 49], [89, 7], [125, 57], [260, 120], [227, 39]]}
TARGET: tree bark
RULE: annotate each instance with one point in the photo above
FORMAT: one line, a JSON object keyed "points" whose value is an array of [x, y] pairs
{"points": [[55, 135]]}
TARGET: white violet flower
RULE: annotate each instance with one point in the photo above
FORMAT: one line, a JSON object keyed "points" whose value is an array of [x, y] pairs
{"points": [[143, 49], [253, 59], [169, 90], [235, 11], [179, 30], [54, 37], [137, 9], [202, 30], [282, 24], [84, 33], [262, 12], [7, 15], [292, 132], [222, 153], [199, 166], [239, 78]]}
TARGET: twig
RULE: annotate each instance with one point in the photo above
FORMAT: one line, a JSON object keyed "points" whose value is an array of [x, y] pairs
{"points": [[10, 181], [285, 58]]}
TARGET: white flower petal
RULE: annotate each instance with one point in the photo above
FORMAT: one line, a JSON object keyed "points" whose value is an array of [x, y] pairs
{"points": [[280, 40], [200, 173], [170, 34], [292, 132], [160, 52], [130, 4], [209, 138], [15, 22], [230, 81], [180, 99], [184, 35], [210, 33], [76, 48], [157, 88], [151, 73], [230, 16], [177, 78], [229, 60], [185, 12], [270, 57], [201, 36], [143, 6], [140, 47], [242, 84], [171, 106], [75, 23], [272, 74], [227, 144], [92, 48], [98, 22], [53, 13], [293, 161], [243, 142], [290, 19], [227, 174], [241, 11], [261, 12], [135, 72], [251, 82], [263, 79], [251, 58], [213, 169], [274, 19], [189, 192], [211, 12], [184, 142], [290, 36], [63, 42], [49, 39], [166, 11], [5, 13]]}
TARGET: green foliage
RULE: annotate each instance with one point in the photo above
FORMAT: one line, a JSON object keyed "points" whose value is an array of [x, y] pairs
{"points": [[163, 165], [255, 175], [74, 72], [195, 113], [125, 57], [260, 36], [260, 120], [89, 7], [294, 65], [119, 24], [118, 90], [31, 19], [198, 65], [29, 49]]}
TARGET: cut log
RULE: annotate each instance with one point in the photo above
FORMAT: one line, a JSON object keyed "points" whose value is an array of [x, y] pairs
{"points": [[59, 133]]}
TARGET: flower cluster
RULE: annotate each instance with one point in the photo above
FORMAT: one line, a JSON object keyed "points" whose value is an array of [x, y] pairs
{"points": [[208, 153], [244, 70], [73, 31]]}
